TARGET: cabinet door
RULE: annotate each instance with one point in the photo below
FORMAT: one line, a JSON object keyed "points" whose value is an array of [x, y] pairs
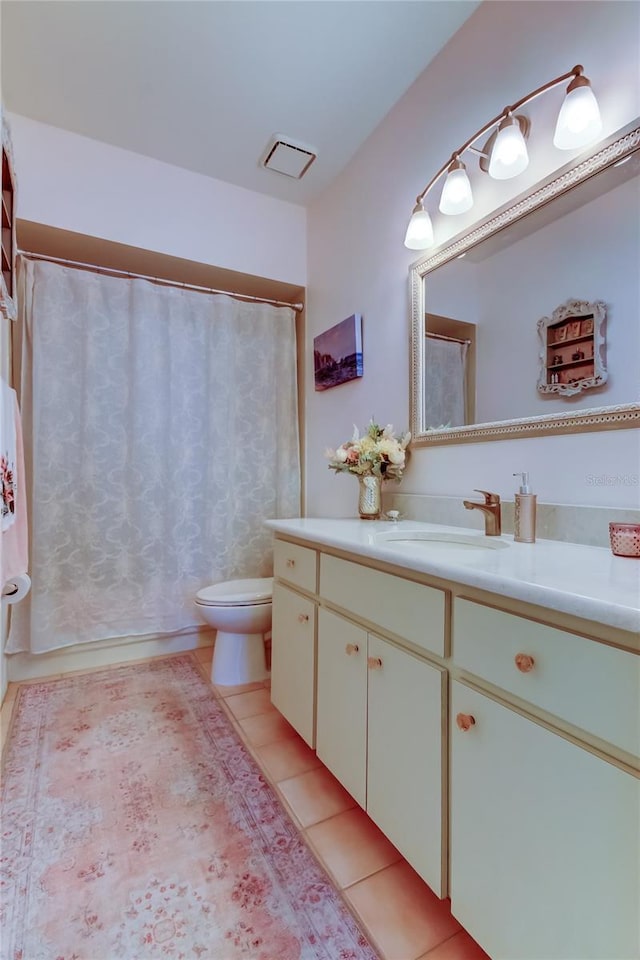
{"points": [[342, 701], [544, 839], [406, 757], [293, 659]]}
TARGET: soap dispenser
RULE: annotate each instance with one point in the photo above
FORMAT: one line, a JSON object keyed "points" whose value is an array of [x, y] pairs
{"points": [[524, 521]]}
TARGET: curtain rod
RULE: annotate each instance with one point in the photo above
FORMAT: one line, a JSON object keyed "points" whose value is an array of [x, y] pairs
{"points": [[441, 336], [113, 271]]}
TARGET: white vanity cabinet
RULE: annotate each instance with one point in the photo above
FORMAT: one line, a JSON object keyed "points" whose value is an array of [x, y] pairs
{"points": [[293, 637], [495, 742], [381, 723], [544, 828]]}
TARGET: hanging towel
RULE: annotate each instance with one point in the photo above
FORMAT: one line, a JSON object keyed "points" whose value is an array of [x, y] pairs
{"points": [[14, 553], [8, 456]]}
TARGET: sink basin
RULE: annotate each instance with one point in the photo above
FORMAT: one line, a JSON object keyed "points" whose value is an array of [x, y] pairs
{"points": [[432, 541]]}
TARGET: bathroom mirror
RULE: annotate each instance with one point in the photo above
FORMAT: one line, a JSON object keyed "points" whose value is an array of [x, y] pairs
{"points": [[476, 303]]}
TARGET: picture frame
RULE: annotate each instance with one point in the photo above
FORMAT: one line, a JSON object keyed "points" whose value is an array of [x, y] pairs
{"points": [[337, 353]]}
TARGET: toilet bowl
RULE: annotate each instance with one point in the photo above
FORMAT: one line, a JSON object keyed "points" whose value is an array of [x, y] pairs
{"points": [[240, 611]]}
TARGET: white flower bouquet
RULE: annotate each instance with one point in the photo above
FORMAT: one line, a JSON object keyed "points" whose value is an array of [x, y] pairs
{"points": [[377, 453]]}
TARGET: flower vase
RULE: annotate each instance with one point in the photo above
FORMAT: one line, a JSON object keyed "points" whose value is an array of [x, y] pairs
{"points": [[369, 497]]}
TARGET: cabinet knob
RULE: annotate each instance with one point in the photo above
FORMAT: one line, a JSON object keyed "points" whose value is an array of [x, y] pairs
{"points": [[524, 662], [465, 721], [352, 648], [303, 618], [290, 562], [374, 663]]}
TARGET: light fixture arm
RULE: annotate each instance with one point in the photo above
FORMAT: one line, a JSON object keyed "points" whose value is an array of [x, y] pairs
{"points": [[576, 73]]}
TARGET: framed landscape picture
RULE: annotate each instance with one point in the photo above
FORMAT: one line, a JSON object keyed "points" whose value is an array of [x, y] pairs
{"points": [[337, 353]]}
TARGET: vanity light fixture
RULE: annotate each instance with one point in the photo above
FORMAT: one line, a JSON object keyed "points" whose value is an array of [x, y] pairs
{"points": [[456, 193], [419, 233], [505, 154], [508, 156], [579, 119]]}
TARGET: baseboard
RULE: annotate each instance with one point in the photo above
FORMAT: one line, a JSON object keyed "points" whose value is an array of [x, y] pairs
{"points": [[26, 666]]}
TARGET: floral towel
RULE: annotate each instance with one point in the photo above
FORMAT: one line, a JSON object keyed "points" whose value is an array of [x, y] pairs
{"points": [[8, 475], [14, 555]]}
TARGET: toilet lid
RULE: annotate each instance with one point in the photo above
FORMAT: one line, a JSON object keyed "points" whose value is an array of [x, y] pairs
{"points": [[236, 592]]}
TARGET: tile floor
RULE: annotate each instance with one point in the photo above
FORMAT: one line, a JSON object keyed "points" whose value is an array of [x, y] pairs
{"points": [[400, 914]]}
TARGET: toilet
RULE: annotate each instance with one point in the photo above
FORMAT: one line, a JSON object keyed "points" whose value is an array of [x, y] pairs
{"points": [[240, 610]]}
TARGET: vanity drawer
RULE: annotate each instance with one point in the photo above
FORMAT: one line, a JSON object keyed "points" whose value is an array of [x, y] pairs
{"points": [[408, 609], [584, 682], [297, 565]]}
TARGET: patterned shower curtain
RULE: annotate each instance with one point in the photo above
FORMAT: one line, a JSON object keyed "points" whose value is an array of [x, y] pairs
{"points": [[445, 364], [161, 430]]}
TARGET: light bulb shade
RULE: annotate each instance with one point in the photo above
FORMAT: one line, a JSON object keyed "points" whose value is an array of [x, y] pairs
{"points": [[509, 155], [456, 193], [419, 233], [579, 121]]}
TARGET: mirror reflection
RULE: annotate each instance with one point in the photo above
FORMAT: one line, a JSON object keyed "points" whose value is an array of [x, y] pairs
{"points": [[481, 354]]}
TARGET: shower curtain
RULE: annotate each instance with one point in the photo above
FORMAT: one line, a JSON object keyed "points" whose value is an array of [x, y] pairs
{"points": [[161, 430], [445, 365]]}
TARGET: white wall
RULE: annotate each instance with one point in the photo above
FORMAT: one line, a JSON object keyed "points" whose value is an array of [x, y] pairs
{"points": [[78, 184], [591, 254], [357, 261]]}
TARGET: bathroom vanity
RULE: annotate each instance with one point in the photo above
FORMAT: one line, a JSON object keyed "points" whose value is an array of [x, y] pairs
{"points": [[480, 699]]}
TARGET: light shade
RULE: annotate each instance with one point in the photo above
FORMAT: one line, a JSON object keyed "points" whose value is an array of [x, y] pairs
{"points": [[419, 233], [456, 193], [509, 155], [579, 120]]}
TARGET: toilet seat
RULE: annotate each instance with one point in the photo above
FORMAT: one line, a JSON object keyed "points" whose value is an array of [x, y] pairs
{"points": [[237, 593]]}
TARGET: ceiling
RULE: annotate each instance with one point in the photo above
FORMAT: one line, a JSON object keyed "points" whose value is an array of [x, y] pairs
{"points": [[205, 84]]}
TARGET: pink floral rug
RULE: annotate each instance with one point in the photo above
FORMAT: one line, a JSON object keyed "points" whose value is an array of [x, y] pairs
{"points": [[136, 826]]}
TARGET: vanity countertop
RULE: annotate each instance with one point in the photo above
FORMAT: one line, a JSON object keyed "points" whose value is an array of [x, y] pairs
{"points": [[587, 582]]}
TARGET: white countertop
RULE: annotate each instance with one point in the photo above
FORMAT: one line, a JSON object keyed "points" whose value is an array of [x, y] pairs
{"points": [[587, 582]]}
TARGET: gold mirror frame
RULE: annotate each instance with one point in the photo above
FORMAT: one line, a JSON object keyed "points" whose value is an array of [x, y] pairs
{"points": [[621, 416]]}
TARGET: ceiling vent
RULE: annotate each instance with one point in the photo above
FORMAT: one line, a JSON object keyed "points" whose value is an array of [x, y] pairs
{"points": [[289, 157]]}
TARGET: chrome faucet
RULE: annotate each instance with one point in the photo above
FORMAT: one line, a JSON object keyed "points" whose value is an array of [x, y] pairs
{"points": [[491, 510]]}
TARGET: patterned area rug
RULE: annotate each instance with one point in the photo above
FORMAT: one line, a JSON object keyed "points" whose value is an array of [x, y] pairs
{"points": [[136, 826]]}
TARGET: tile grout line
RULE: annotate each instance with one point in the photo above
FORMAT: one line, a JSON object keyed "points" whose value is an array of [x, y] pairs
{"points": [[425, 956]]}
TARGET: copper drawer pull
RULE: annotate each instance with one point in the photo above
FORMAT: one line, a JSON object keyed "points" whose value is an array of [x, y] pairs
{"points": [[524, 662], [303, 618], [291, 563], [465, 721], [352, 648], [374, 663]]}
